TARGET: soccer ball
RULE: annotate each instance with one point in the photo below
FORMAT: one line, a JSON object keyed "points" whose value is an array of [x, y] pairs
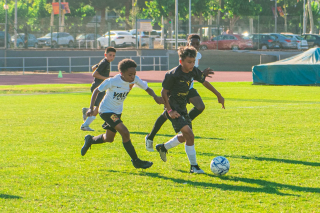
{"points": [[220, 165]]}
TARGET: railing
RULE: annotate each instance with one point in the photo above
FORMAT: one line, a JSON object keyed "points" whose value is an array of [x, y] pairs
{"points": [[43, 63]]}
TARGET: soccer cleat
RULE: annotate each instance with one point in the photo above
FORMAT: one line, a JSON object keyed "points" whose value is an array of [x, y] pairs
{"points": [[141, 164], [149, 144], [84, 113], [86, 145], [196, 169], [86, 128], [162, 151]]}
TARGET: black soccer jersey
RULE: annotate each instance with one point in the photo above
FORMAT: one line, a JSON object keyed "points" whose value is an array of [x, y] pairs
{"points": [[178, 84], [104, 70]]}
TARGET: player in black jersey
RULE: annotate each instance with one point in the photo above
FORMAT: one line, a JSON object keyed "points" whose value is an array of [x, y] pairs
{"points": [[101, 72], [175, 90]]}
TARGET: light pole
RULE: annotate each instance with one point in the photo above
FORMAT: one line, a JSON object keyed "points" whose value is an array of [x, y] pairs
{"points": [[59, 16], [6, 7], [176, 23], [189, 17], [15, 24], [304, 18], [275, 15]]}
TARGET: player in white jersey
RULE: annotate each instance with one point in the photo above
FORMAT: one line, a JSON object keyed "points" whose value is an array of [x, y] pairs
{"points": [[193, 97], [110, 110]]}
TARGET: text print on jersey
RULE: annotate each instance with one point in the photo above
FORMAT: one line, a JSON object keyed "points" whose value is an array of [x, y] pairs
{"points": [[120, 96]]}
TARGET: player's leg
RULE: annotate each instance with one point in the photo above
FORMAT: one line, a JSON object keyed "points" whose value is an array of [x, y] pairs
{"points": [[103, 138], [177, 124], [190, 150], [90, 119], [156, 127], [195, 99], [124, 132]]}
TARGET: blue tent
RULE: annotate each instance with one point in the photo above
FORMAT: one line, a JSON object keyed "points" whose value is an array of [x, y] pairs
{"points": [[302, 69]]}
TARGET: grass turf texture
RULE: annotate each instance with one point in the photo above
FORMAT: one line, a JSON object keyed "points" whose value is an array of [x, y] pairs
{"points": [[270, 135]]}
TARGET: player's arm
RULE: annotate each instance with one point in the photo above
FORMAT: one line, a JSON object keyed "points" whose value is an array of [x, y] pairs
{"points": [[214, 91], [158, 99], [96, 73], [93, 100], [172, 113]]}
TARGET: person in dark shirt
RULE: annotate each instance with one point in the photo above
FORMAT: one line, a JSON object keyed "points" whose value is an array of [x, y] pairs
{"points": [[175, 89], [101, 71]]}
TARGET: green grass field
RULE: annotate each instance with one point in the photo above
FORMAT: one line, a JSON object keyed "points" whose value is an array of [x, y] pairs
{"points": [[270, 135]]}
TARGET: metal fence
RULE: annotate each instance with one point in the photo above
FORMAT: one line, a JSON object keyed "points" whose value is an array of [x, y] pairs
{"points": [[77, 64], [87, 32]]}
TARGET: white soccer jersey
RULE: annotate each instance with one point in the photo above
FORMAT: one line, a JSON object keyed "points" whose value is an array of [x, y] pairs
{"points": [[198, 57], [116, 92]]}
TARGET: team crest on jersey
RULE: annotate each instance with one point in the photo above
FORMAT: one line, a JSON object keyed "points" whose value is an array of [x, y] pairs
{"points": [[114, 117], [130, 86]]}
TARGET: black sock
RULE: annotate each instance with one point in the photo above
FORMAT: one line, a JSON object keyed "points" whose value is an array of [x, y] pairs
{"points": [[194, 112], [97, 139], [156, 127], [130, 149]]}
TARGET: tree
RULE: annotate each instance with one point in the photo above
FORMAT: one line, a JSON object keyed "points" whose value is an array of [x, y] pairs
{"points": [[236, 9]]}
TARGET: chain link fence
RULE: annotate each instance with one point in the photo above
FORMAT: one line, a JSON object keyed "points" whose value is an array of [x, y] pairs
{"points": [[97, 33]]}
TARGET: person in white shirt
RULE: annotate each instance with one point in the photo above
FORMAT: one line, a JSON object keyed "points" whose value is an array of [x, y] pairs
{"points": [[110, 109], [193, 97]]}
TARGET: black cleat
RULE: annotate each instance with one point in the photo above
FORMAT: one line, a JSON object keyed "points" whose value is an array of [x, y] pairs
{"points": [[141, 164], [162, 151], [86, 145], [196, 169]]}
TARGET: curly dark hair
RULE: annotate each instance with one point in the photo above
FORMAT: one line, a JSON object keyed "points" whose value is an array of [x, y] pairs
{"points": [[187, 51], [110, 49], [125, 64], [191, 36]]}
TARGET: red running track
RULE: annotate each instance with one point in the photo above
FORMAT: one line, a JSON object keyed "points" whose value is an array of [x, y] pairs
{"points": [[86, 78]]}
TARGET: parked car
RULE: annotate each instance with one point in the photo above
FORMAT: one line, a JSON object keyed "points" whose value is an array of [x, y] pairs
{"points": [[86, 40], [2, 42], [300, 42], [32, 40], [225, 42], [285, 42], [118, 39], [312, 39], [264, 41], [58, 39], [144, 36]]}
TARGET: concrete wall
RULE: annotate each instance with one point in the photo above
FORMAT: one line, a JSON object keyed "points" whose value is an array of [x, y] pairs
{"points": [[217, 60], [226, 60]]}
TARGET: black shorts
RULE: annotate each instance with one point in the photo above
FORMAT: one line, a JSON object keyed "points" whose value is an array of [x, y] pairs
{"points": [[99, 97], [180, 122], [111, 120], [192, 93]]}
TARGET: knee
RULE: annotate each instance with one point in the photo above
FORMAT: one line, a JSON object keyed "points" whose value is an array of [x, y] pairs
{"points": [[110, 140], [201, 107], [125, 133], [188, 135]]}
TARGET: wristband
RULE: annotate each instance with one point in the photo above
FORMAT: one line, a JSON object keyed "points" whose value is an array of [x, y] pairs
{"points": [[169, 111]]}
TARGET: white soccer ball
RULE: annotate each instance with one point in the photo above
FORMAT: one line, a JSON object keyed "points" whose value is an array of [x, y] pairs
{"points": [[220, 165]]}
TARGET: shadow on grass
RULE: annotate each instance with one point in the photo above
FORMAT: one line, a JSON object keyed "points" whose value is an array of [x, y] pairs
{"points": [[266, 159], [4, 196], [196, 137], [275, 101], [266, 186]]}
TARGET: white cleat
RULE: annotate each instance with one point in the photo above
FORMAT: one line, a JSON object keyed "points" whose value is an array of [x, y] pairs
{"points": [[84, 113], [86, 128], [196, 169], [149, 144]]}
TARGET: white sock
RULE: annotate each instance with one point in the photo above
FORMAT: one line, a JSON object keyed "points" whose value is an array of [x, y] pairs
{"points": [[173, 142], [89, 120], [191, 152]]}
